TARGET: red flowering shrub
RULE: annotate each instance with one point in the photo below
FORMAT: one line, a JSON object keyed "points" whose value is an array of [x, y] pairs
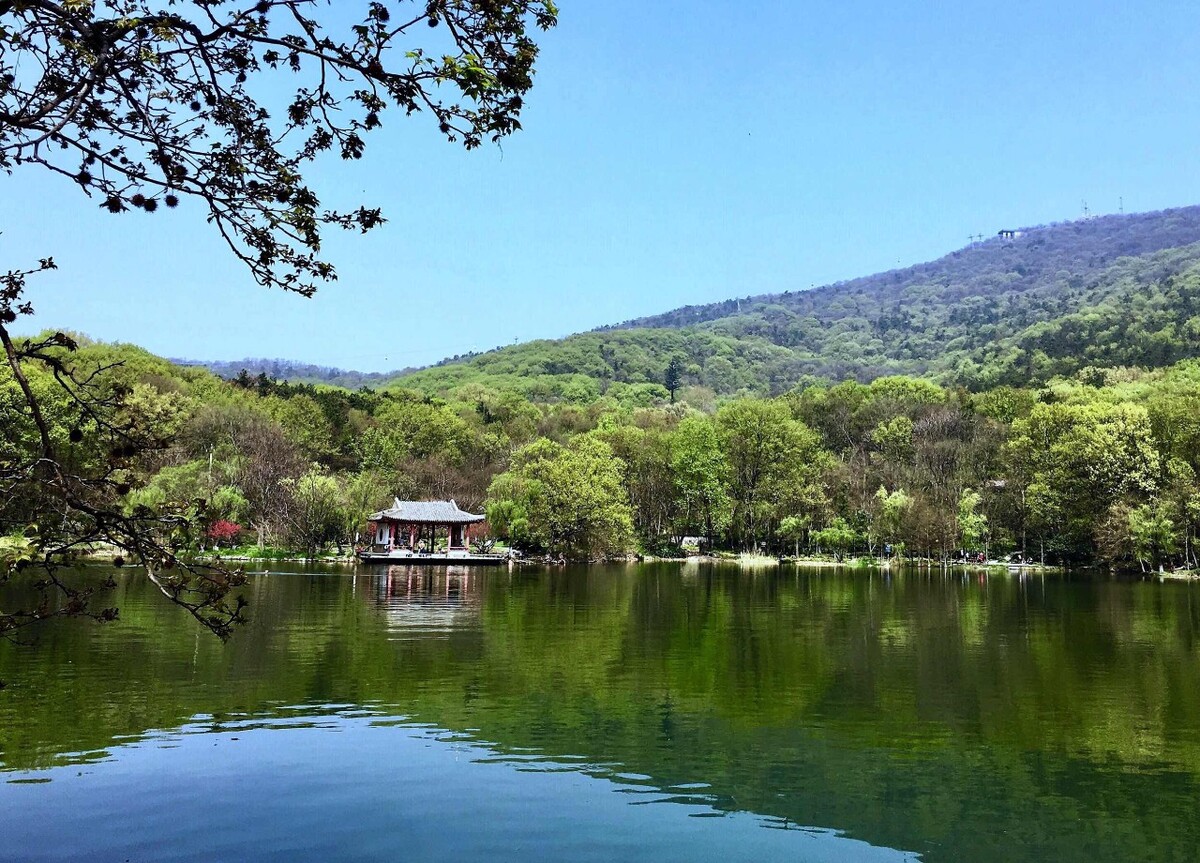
{"points": [[223, 531]]}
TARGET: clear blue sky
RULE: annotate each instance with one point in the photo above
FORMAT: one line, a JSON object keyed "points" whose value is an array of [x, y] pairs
{"points": [[674, 152]]}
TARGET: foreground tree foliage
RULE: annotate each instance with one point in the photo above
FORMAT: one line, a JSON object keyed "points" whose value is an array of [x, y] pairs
{"points": [[140, 103], [76, 439], [147, 106]]}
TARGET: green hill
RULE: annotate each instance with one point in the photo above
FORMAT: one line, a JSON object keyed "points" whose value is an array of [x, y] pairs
{"points": [[1105, 292]]}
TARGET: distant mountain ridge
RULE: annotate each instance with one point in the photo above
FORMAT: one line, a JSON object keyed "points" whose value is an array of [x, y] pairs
{"points": [[1106, 291], [1082, 245], [1049, 300], [295, 372]]}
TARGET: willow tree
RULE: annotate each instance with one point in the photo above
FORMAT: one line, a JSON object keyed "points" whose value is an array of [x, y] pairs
{"points": [[149, 105]]}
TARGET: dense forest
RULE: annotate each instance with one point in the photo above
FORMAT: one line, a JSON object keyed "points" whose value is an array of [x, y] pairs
{"points": [[1110, 291], [1098, 466]]}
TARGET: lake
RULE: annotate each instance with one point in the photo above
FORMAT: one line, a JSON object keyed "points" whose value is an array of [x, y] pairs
{"points": [[649, 712]]}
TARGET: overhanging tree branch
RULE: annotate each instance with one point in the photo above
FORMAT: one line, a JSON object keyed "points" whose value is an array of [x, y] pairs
{"points": [[149, 103], [133, 101]]}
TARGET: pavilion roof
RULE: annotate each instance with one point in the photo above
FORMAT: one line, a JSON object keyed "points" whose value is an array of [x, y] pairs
{"points": [[426, 512]]}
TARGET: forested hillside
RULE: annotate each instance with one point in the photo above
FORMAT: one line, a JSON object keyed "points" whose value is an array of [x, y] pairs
{"points": [[1035, 258], [1109, 291], [1100, 466]]}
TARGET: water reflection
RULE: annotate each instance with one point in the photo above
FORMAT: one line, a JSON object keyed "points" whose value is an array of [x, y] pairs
{"points": [[952, 715], [425, 602]]}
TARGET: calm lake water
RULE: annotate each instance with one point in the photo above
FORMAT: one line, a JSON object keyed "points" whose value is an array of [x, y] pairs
{"points": [[653, 712]]}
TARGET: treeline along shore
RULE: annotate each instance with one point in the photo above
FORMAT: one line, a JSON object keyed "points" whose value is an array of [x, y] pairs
{"points": [[1096, 468]]}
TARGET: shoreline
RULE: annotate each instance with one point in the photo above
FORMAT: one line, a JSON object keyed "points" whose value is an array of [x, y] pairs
{"points": [[743, 561]]}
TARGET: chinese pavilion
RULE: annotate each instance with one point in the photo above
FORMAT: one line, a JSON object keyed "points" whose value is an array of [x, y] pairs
{"points": [[412, 528]]}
